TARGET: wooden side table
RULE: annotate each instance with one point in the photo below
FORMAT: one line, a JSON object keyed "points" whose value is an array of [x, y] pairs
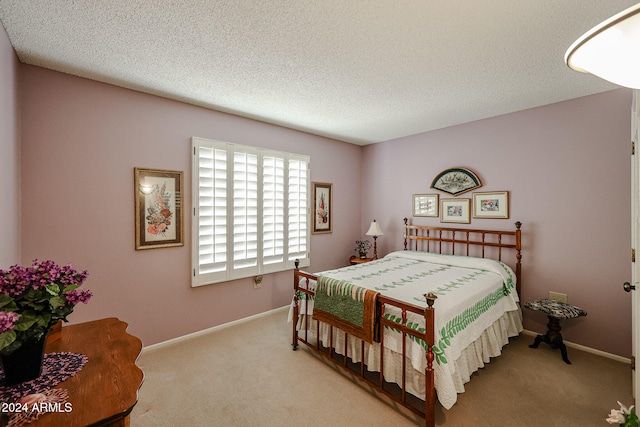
{"points": [[105, 391], [357, 260], [555, 311]]}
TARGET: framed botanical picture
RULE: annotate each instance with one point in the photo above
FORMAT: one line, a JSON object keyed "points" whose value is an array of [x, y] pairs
{"points": [[158, 210], [455, 210], [491, 205], [456, 181], [322, 207], [425, 205]]}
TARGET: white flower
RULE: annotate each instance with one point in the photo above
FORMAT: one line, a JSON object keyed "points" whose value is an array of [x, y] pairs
{"points": [[619, 416], [616, 417]]}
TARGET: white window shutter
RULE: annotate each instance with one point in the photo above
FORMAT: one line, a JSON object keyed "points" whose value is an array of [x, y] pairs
{"points": [[245, 210], [273, 215], [298, 212], [250, 213], [210, 214]]}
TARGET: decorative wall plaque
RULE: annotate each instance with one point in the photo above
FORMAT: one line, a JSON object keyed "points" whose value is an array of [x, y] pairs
{"points": [[456, 181]]}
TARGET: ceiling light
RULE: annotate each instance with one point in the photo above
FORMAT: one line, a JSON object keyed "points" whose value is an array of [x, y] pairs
{"points": [[610, 50]]}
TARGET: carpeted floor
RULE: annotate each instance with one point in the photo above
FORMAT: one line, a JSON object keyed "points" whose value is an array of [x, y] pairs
{"points": [[247, 375]]}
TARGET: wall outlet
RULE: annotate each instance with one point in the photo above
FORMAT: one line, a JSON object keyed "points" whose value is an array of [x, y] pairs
{"points": [[257, 281], [557, 296]]}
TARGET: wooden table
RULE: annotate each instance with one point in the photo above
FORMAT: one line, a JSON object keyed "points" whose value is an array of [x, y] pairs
{"points": [[105, 391], [356, 260]]}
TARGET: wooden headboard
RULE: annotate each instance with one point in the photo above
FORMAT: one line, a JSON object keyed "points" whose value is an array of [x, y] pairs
{"points": [[467, 242]]}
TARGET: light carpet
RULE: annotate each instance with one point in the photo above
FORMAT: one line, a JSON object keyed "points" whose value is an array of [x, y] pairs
{"points": [[247, 375]]}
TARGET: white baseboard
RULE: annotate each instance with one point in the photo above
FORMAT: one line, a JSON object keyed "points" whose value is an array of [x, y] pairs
{"points": [[208, 330], [586, 349]]}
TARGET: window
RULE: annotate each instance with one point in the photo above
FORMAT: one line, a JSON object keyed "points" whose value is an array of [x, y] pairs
{"points": [[250, 213]]}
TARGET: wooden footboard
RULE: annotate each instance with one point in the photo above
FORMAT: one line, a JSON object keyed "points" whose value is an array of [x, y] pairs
{"points": [[303, 294]]}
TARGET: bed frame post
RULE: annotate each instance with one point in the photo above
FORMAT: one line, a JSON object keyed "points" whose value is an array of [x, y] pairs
{"points": [[406, 220], [430, 397], [296, 310], [518, 258]]}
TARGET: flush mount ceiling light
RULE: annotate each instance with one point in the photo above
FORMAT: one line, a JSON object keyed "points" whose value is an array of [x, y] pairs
{"points": [[610, 50]]}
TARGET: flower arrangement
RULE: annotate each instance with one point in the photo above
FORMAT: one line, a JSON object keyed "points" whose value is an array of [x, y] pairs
{"points": [[624, 416], [159, 210], [362, 246], [32, 299]]}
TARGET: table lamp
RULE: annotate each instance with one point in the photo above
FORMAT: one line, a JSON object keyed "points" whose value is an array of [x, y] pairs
{"points": [[375, 231]]}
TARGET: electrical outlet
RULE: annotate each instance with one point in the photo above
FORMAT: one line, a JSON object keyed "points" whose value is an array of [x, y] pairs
{"points": [[257, 281], [557, 296]]}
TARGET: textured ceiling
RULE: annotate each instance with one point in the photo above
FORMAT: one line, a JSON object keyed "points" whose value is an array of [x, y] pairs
{"points": [[360, 71]]}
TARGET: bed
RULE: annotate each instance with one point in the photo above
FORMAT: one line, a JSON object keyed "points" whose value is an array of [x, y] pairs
{"points": [[416, 323]]}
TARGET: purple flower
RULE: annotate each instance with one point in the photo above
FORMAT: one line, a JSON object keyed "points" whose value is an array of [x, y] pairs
{"points": [[45, 292], [78, 295], [7, 320]]}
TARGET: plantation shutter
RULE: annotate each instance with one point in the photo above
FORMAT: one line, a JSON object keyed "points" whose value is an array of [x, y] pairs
{"points": [[245, 211], [250, 211], [273, 218], [212, 207], [298, 224]]}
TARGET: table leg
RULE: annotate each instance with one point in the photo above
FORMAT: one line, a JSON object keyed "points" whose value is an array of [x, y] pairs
{"points": [[553, 338]]}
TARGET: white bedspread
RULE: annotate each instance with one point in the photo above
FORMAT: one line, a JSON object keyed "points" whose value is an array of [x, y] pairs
{"points": [[476, 311]]}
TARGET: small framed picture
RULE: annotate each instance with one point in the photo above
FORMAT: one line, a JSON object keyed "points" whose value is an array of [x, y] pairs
{"points": [[425, 205], [322, 207], [455, 210], [491, 205], [158, 210]]}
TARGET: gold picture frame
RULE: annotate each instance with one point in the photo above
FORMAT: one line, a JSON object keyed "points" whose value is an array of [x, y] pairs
{"points": [[425, 205], [491, 204], [455, 210], [158, 208], [322, 208]]}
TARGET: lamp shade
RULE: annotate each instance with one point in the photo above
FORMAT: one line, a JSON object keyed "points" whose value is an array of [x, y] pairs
{"points": [[610, 49], [374, 229]]}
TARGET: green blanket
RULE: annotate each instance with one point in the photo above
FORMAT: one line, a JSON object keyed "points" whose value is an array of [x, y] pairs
{"points": [[346, 306]]}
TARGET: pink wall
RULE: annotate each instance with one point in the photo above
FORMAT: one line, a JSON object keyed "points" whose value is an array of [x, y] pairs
{"points": [[567, 168], [80, 143], [9, 154]]}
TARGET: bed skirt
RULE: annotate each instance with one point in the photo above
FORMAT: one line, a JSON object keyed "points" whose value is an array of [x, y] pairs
{"points": [[489, 344]]}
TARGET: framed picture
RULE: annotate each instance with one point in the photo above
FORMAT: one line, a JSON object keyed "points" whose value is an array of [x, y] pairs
{"points": [[322, 207], [425, 205], [455, 210], [456, 181], [158, 199], [491, 205]]}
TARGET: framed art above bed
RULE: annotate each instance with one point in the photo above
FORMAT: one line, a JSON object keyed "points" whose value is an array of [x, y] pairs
{"points": [[455, 210], [491, 205], [456, 181], [425, 205]]}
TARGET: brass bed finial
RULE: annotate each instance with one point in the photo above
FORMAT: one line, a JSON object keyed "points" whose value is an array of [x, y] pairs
{"points": [[431, 299]]}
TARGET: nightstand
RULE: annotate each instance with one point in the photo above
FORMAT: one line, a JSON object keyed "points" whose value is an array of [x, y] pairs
{"points": [[356, 260], [555, 311]]}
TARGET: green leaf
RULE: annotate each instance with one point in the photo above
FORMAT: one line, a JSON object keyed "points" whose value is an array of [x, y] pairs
{"points": [[7, 338], [70, 288], [57, 302], [7, 303], [26, 321], [53, 289]]}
